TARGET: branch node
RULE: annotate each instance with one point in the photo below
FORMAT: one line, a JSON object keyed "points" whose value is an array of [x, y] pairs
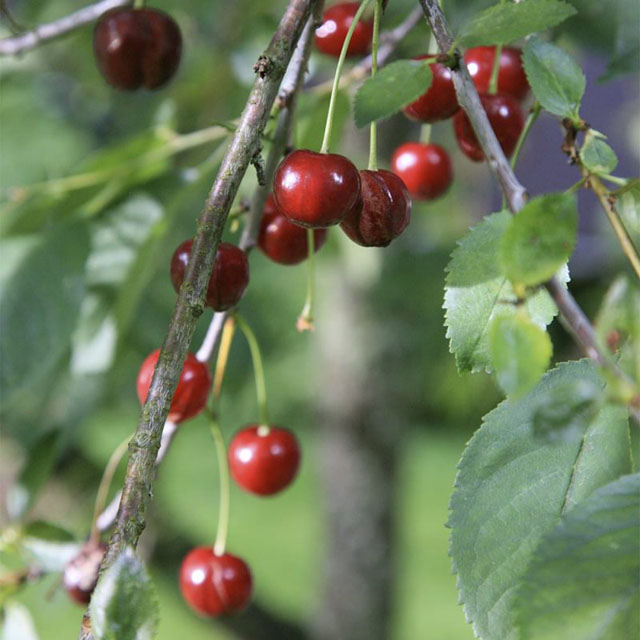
{"points": [[263, 66], [258, 163]]}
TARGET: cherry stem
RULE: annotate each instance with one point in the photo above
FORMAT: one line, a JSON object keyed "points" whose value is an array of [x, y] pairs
{"points": [[223, 355], [425, 133], [531, 118], [493, 82], [258, 369], [105, 484], [139, 4], [373, 138], [336, 80], [223, 507], [305, 319]]}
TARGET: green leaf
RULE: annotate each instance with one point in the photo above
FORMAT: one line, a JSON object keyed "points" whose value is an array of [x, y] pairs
{"points": [[540, 239], [391, 89], [629, 207], [555, 79], [35, 472], [584, 579], [48, 555], [626, 58], [511, 490], [48, 531], [18, 623], [504, 23], [124, 605], [476, 290], [40, 298], [520, 352], [597, 155]]}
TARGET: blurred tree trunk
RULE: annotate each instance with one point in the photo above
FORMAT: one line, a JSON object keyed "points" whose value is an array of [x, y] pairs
{"points": [[357, 458]]}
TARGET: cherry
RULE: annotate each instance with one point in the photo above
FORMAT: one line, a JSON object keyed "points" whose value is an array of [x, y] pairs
{"points": [[315, 189], [229, 277], [383, 212], [439, 101], [506, 119], [511, 76], [283, 241], [214, 585], [264, 460], [191, 393], [424, 168], [80, 574], [336, 21], [137, 47]]}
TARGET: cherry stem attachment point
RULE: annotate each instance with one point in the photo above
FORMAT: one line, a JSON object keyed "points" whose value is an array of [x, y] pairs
{"points": [[103, 488], [305, 319], [336, 80], [258, 368], [495, 69], [373, 139], [223, 468]]}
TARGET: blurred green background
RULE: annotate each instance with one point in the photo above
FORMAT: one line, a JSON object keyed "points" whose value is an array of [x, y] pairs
{"points": [[86, 296]]}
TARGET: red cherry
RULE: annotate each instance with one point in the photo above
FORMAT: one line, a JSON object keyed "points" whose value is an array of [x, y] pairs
{"points": [[511, 76], [336, 21], [439, 102], [383, 212], [229, 277], [215, 585], [137, 47], [316, 189], [283, 241], [264, 460], [506, 119], [424, 168], [191, 393], [80, 574]]}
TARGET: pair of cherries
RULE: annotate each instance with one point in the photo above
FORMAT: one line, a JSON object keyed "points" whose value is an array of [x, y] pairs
{"points": [[318, 190]]}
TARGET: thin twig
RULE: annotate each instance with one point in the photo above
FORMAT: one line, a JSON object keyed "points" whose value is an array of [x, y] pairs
{"points": [[516, 194], [45, 32]]}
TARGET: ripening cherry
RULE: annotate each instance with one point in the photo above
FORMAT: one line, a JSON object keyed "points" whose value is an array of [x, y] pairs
{"points": [[264, 460], [439, 101], [137, 48], [315, 189], [506, 119], [229, 277], [511, 76], [383, 212], [80, 574], [281, 240], [191, 394], [215, 585], [425, 169], [336, 21]]}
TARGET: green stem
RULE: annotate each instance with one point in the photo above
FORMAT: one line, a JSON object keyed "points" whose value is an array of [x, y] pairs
{"points": [[223, 507], [425, 133], [305, 319], [493, 82], [336, 79], [373, 136], [531, 118], [258, 369], [105, 483], [139, 4]]}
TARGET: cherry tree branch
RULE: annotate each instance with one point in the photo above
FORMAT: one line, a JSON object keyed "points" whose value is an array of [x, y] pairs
{"points": [[516, 195], [14, 45]]}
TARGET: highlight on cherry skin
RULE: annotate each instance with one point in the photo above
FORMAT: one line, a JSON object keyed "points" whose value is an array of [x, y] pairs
{"points": [[229, 276], [137, 48], [424, 168], [316, 189], [511, 76], [336, 21], [80, 574], [264, 460], [215, 585], [192, 392], [282, 241]]}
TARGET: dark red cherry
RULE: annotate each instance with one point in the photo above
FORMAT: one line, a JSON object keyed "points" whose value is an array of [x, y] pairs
{"points": [[316, 189], [137, 48], [229, 277], [336, 21], [283, 241], [425, 169], [264, 460], [383, 212], [80, 574], [191, 394], [511, 76], [439, 102], [506, 119], [215, 585]]}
